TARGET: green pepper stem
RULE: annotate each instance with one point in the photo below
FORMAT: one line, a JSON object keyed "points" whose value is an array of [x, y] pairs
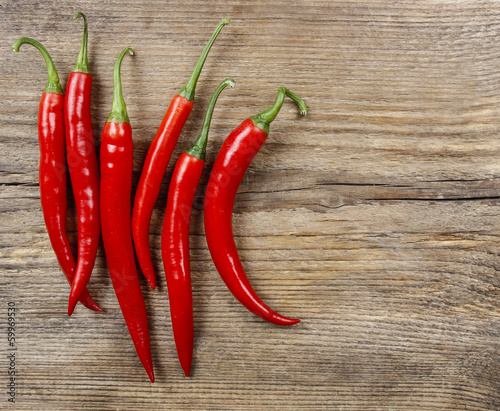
{"points": [[262, 120], [53, 85], [188, 91], [118, 107], [82, 64], [199, 148]]}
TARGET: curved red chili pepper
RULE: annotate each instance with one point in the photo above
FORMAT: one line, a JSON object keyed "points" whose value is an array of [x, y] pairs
{"points": [[116, 185], [157, 160], [230, 166], [52, 172], [83, 167], [175, 236]]}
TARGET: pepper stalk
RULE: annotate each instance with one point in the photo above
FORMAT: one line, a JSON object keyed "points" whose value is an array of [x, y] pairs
{"points": [[264, 119], [199, 148], [118, 112], [53, 85]]}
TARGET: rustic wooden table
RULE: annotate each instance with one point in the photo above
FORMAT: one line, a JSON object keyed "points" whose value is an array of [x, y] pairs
{"points": [[374, 219]]}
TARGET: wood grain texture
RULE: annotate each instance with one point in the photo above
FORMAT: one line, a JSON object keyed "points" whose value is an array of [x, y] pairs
{"points": [[375, 219]]}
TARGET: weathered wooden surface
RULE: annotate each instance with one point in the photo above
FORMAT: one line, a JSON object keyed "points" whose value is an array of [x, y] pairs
{"points": [[375, 219]]}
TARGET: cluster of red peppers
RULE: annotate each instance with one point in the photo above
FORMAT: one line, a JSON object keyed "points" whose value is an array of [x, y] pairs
{"points": [[103, 202]]}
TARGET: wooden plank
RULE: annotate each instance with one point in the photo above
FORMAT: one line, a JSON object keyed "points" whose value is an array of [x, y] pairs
{"points": [[374, 219]]}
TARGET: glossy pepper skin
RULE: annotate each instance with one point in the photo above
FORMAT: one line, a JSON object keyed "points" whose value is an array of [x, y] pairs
{"points": [[52, 170], [230, 166], [175, 236], [157, 160], [116, 186], [83, 168]]}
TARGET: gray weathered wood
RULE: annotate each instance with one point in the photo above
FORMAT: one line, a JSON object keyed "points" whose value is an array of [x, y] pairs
{"points": [[375, 219]]}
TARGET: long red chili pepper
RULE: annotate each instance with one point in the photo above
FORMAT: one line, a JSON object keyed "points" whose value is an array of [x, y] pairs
{"points": [[52, 172], [175, 236], [83, 167], [116, 185], [231, 163], [157, 160]]}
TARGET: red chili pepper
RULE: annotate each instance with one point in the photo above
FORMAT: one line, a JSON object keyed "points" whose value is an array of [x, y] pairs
{"points": [[230, 166], [175, 236], [52, 172], [83, 167], [116, 185], [157, 160]]}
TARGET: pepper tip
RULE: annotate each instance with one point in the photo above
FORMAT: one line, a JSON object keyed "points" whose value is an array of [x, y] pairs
{"points": [[72, 303], [70, 309], [186, 365], [152, 282], [281, 320]]}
